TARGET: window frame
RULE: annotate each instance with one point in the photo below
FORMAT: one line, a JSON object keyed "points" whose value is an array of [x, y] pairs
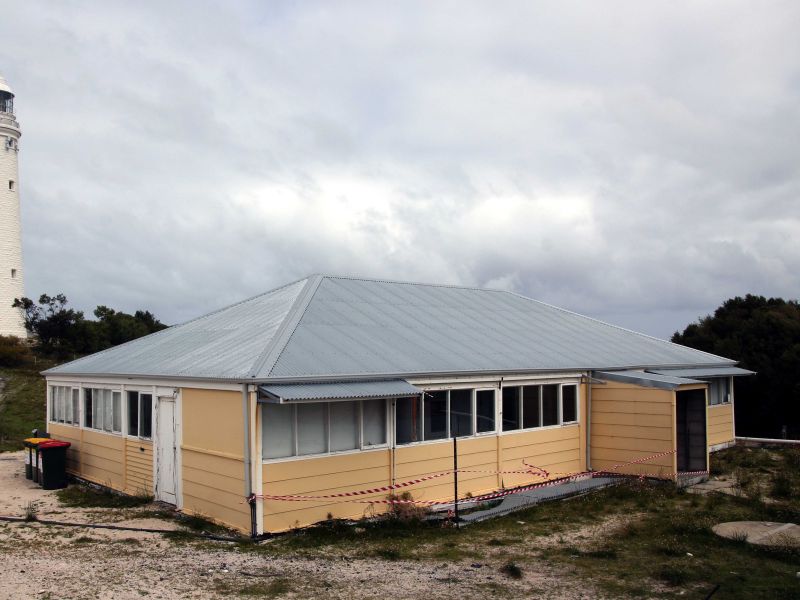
{"points": [[60, 405], [139, 416], [360, 430], [520, 385], [96, 400]]}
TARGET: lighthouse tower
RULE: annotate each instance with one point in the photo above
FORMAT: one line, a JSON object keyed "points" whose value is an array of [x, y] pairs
{"points": [[11, 281]]}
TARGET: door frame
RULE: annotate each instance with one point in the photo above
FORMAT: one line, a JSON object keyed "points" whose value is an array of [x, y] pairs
{"points": [[175, 394]]}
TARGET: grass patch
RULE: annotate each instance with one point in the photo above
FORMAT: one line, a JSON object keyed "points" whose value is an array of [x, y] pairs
{"points": [[22, 405], [83, 496]]}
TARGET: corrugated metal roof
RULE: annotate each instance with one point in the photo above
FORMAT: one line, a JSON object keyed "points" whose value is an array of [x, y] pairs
{"points": [[339, 390], [641, 378], [224, 344], [704, 372], [327, 327]]}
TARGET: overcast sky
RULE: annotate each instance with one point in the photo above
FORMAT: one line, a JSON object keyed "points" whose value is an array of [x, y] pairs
{"points": [[638, 162]]}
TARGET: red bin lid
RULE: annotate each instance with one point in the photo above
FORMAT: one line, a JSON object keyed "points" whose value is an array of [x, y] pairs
{"points": [[54, 444]]}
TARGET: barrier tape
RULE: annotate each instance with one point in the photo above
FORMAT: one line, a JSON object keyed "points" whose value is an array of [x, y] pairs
{"points": [[532, 470]]}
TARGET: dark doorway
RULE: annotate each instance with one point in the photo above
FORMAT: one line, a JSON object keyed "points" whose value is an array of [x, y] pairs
{"points": [[691, 430]]}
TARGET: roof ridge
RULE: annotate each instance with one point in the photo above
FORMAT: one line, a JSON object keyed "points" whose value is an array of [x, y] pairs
{"points": [[173, 327], [277, 344], [420, 283], [625, 329]]}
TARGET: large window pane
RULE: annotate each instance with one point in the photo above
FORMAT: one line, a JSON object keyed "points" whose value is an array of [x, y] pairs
{"points": [[549, 405], [374, 415], [312, 428], [484, 407], [460, 413], [65, 393], [435, 415], [277, 426], [530, 406], [408, 416], [133, 413], [146, 415], [344, 426], [569, 403], [511, 414], [97, 408]]}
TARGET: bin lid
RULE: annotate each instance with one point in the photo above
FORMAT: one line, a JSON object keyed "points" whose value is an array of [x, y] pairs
{"points": [[36, 441], [53, 444]]}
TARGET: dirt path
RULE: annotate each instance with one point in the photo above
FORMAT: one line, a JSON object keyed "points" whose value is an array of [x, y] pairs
{"points": [[41, 561]]}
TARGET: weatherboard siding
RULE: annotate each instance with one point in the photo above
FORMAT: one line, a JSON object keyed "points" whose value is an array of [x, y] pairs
{"points": [[212, 452], [720, 424], [324, 476], [631, 422], [71, 434], [139, 467]]}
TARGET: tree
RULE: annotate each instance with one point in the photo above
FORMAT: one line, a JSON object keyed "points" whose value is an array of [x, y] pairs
{"points": [[65, 333], [763, 334]]}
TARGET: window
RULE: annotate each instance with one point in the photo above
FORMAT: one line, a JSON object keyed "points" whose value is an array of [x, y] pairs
{"points": [[569, 403], [531, 398], [532, 406], [322, 427], [408, 415], [11, 185], [13, 273], [63, 405], [484, 409], [511, 409], [461, 413], [719, 391], [103, 410], [549, 405], [435, 416], [140, 414]]}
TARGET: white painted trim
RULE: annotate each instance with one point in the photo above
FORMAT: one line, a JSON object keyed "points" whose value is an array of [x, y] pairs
{"points": [[178, 449], [271, 461], [95, 381]]}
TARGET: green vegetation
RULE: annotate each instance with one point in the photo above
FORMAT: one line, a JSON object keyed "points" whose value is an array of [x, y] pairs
{"points": [[764, 335], [656, 540], [63, 332], [22, 404], [84, 496]]}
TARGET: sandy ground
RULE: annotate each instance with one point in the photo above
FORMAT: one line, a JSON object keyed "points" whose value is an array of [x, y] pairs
{"points": [[41, 561]]}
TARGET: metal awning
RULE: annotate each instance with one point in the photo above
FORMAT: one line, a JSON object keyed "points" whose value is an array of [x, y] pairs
{"points": [[652, 380], [704, 372], [318, 392]]}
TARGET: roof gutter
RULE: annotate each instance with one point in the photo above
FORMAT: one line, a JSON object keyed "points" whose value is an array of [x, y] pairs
{"points": [[374, 376]]}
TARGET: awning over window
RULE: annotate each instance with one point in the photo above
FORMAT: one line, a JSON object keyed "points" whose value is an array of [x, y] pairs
{"points": [[316, 392], [704, 372], [652, 380]]}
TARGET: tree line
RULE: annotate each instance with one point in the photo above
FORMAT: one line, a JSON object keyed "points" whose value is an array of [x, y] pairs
{"points": [[763, 334], [60, 333]]}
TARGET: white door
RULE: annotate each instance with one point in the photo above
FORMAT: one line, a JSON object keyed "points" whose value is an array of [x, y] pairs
{"points": [[166, 451]]}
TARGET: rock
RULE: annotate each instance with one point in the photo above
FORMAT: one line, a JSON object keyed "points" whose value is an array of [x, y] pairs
{"points": [[479, 565]]}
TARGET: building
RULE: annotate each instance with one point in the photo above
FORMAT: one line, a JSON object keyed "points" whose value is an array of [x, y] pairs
{"points": [[335, 384], [11, 276]]}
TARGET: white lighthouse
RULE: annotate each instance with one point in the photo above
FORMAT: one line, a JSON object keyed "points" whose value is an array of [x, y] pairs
{"points": [[11, 280]]}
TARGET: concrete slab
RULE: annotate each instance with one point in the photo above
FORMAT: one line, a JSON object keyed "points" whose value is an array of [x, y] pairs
{"points": [[763, 533], [726, 486]]}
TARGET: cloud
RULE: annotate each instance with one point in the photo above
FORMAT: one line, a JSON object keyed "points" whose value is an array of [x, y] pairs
{"points": [[634, 162]]}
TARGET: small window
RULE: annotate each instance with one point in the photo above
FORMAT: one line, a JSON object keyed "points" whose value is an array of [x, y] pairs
{"points": [[460, 413], [13, 273], [146, 415], [312, 430], [511, 413], [133, 413], [569, 403], [344, 426], [88, 405], [11, 185], [373, 413], [484, 409], [278, 431]]}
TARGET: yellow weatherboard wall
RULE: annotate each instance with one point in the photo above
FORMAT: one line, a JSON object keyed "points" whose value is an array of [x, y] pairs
{"points": [[631, 422], [720, 424], [139, 467], [212, 453]]}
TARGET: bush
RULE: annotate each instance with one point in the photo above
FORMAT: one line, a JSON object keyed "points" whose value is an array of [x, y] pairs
{"points": [[404, 509], [781, 486], [14, 352]]}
